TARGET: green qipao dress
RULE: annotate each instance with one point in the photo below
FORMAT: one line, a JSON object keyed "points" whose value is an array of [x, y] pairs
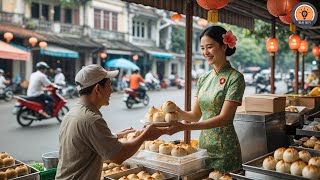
{"points": [[222, 144]]}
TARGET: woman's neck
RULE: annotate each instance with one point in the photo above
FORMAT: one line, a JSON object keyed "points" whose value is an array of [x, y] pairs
{"points": [[218, 65]]}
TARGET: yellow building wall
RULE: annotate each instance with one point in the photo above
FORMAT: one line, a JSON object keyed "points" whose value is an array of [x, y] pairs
{"points": [[9, 5]]}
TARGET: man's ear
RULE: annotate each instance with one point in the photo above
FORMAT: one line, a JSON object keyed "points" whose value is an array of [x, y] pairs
{"points": [[97, 89]]}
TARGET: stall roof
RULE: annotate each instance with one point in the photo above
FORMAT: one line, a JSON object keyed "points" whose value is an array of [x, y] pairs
{"points": [[8, 51], [239, 12], [19, 31]]}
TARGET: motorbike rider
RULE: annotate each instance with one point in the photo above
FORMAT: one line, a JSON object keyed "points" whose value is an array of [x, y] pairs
{"points": [[3, 81], [37, 81], [59, 78], [151, 80], [134, 81]]}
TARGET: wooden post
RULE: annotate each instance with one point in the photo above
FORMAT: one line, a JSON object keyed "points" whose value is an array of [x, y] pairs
{"points": [[188, 62], [296, 72], [302, 71], [272, 58]]}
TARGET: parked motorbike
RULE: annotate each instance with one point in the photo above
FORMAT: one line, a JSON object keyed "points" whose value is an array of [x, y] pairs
{"points": [[27, 108], [6, 94], [262, 85], [131, 97], [68, 91]]}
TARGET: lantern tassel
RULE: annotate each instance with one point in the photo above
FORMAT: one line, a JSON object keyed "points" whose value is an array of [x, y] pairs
{"points": [[213, 15], [293, 27]]}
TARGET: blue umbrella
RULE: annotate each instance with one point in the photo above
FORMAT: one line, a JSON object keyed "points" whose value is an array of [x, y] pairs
{"points": [[122, 63]]}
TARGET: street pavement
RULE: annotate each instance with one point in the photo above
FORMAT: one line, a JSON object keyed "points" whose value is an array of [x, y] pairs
{"points": [[28, 144]]}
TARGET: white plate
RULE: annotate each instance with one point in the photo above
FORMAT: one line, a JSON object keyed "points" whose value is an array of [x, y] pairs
{"points": [[162, 124]]}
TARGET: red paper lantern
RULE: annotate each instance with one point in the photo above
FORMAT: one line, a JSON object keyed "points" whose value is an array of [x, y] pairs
{"points": [[287, 19], [176, 17], [272, 45], [33, 41], [212, 6], [103, 55], [135, 57], [294, 42], [280, 7], [316, 51], [43, 45], [202, 22], [8, 36], [303, 46]]}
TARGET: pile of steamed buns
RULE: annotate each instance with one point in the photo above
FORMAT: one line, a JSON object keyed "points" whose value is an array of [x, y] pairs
{"points": [[13, 171], [167, 113], [145, 176], [296, 163], [177, 150]]}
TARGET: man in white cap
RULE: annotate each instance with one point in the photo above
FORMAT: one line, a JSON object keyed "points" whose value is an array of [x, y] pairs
{"points": [[85, 140], [59, 78]]}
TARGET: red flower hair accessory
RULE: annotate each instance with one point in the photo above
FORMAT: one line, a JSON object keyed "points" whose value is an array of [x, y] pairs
{"points": [[229, 39]]}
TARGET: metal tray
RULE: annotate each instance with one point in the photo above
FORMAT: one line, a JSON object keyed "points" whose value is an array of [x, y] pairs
{"points": [[241, 174], [306, 130], [201, 174], [33, 173], [312, 151], [16, 162], [116, 176], [254, 169]]}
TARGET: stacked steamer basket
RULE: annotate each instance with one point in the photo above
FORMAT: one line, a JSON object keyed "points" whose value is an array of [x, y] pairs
{"points": [[11, 168]]}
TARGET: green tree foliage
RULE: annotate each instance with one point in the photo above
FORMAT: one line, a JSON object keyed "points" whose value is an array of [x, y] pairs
{"points": [[178, 39]]}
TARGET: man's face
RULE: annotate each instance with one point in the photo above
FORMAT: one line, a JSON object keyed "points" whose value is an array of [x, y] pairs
{"points": [[107, 92]]}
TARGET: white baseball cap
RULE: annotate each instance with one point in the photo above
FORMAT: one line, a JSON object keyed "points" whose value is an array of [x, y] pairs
{"points": [[92, 74]]}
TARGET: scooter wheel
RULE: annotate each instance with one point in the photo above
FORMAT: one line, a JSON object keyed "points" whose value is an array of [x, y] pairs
{"points": [[129, 103], [23, 119], [8, 96], [62, 112], [146, 100]]}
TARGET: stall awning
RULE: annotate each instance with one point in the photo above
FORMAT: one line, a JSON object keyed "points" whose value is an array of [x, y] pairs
{"points": [[161, 55], [10, 52], [57, 51]]}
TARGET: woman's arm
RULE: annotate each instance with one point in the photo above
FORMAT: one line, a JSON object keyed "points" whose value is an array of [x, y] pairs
{"points": [[194, 115], [228, 110]]}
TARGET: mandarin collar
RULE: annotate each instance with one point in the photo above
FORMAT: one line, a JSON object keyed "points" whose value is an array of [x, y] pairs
{"points": [[90, 106], [224, 68]]}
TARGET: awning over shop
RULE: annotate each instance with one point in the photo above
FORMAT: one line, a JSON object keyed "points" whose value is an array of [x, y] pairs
{"points": [[157, 52], [161, 55], [10, 52], [57, 51]]}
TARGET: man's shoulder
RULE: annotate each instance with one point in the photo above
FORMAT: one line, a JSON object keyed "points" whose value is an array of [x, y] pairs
{"points": [[82, 113]]}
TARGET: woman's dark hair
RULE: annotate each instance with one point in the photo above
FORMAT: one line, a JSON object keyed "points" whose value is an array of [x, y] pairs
{"points": [[216, 32], [88, 90]]}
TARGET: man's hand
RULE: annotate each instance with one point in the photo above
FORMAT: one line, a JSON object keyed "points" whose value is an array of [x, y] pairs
{"points": [[152, 132], [124, 132]]}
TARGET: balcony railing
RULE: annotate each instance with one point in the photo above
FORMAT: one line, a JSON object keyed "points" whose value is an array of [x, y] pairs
{"points": [[143, 42], [100, 33], [11, 18]]}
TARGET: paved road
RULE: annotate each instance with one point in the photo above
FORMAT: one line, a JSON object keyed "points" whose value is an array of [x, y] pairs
{"points": [[28, 144]]}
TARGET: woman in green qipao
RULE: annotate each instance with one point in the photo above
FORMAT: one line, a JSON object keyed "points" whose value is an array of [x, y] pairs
{"points": [[219, 93]]}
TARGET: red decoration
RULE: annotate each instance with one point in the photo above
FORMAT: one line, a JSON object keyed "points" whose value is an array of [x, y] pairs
{"points": [[212, 6], [43, 45], [176, 17], [280, 7], [303, 46], [103, 55], [272, 45], [316, 51], [135, 57], [294, 42], [222, 80], [202, 22], [8, 36], [33, 41], [287, 19]]}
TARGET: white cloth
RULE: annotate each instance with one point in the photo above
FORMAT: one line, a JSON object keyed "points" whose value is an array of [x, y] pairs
{"points": [[37, 81], [59, 79], [150, 78], [2, 82]]}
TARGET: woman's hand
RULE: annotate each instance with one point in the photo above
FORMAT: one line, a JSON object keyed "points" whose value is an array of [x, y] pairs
{"points": [[124, 132], [175, 127]]}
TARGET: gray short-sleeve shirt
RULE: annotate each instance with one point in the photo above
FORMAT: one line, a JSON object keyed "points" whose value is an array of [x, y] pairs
{"points": [[84, 142]]}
